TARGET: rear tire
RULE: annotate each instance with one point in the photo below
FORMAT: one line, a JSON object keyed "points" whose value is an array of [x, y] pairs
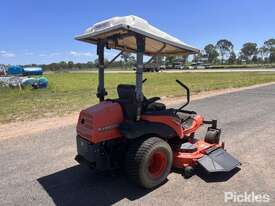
{"points": [[149, 161]]}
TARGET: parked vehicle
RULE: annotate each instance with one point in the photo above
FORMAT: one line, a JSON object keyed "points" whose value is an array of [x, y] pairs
{"points": [[199, 65], [152, 67], [27, 71]]}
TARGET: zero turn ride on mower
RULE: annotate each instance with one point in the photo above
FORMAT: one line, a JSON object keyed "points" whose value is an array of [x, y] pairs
{"points": [[137, 133]]}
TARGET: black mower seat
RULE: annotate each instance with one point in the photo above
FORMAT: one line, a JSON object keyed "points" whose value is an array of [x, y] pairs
{"points": [[126, 92], [127, 99], [156, 106]]}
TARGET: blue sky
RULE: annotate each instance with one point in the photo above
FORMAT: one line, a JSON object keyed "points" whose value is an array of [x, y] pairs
{"points": [[40, 31]]}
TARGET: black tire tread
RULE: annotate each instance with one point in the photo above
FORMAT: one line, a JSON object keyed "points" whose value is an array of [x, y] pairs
{"points": [[135, 154]]}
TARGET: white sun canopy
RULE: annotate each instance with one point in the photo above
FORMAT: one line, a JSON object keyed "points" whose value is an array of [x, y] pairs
{"points": [[157, 42]]}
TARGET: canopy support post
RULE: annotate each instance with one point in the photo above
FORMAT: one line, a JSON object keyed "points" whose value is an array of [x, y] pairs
{"points": [[140, 41], [101, 92]]}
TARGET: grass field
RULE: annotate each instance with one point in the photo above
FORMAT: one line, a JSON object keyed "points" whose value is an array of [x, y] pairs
{"points": [[68, 92]]}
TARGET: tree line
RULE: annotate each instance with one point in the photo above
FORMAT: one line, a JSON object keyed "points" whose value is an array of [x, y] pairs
{"points": [[220, 53], [126, 61], [223, 53]]}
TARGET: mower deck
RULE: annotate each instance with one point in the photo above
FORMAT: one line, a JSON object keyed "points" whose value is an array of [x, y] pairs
{"points": [[218, 160], [212, 157]]}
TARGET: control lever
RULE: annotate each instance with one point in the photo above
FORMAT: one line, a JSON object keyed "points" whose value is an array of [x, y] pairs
{"points": [[187, 93]]}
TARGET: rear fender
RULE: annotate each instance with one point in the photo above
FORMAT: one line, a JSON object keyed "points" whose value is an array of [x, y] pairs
{"points": [[132, 130]]}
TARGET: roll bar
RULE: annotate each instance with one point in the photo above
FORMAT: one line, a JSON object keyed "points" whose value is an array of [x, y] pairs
{"points": [[101, 92], [140, 42]]}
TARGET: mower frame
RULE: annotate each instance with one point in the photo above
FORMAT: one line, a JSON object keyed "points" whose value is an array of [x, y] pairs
{"points": [[172, 136]]}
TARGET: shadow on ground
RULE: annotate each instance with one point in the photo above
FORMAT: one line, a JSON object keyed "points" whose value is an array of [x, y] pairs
{"points": [[79, 186]]}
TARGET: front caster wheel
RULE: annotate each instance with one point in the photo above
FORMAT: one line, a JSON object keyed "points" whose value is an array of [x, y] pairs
{"points": [[188, 172]]}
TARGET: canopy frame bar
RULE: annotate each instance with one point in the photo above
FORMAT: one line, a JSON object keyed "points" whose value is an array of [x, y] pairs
{"points": [[120, 53], [101, 92], [140, 41], [161, 49]]}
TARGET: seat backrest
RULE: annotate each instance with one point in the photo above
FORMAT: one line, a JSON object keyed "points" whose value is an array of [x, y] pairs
{"points": [[126, 92], [127, 100]]}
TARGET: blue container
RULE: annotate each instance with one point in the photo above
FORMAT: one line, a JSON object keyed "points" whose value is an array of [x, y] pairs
{"points": [[43, 82], [40, 83], [15, 70], [32, 71]]}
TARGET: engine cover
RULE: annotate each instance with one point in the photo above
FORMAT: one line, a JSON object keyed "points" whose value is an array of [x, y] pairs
{"points": [[100, 122]]}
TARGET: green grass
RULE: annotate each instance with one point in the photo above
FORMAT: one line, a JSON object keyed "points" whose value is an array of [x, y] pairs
{"points": [[69, 92]]}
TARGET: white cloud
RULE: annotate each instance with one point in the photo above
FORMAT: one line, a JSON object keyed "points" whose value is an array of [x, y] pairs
{"points": [[49, 54], [79, 54], [29, 53], [6, 54], [54, 54]]}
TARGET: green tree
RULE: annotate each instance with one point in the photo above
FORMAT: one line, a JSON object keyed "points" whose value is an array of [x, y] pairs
{"points": [[62, 65], [90, 64], [183, 59], [249, 50], [270, 44], [254, 59], [169, 60], [232, 58], [262, 52], [211, 53], [272, 57], [96, 62], [132, 60], [225, 47], [270, 47], [197, 57], [241, 58], [70, 65], [125, 57]]}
